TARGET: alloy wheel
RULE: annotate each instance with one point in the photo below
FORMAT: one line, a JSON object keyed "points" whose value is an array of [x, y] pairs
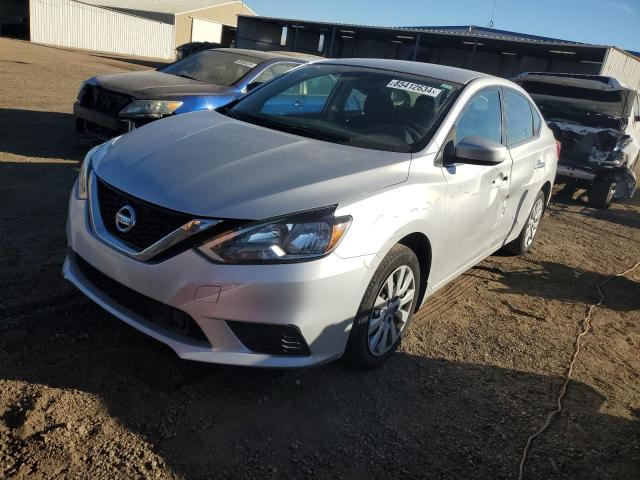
{"points": [[391, 310], [533, 222]]}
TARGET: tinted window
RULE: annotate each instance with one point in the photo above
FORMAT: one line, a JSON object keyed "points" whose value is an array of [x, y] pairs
{"points": [[211, 66], [519, 119], [481, 117], [353, 106]]}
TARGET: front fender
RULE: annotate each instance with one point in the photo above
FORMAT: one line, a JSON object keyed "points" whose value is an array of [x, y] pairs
{"points": [[382, 220]]}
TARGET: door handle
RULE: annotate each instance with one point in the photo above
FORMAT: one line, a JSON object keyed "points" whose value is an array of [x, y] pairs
{"points": [[539, 163]]}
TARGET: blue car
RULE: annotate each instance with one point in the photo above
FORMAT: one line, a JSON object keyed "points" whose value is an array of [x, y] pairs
{"points": [[110, 105]]}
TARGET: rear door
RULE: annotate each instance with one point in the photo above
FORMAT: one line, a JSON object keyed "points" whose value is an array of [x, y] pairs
{"points": [[475, 192], [523, 127]]}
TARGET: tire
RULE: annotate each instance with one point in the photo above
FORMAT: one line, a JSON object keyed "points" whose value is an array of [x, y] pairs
{"points": [[523, 243], [601, 192], [395, 314]]}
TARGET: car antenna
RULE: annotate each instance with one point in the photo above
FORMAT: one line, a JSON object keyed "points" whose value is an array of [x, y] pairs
{"points": [[490, 24]]}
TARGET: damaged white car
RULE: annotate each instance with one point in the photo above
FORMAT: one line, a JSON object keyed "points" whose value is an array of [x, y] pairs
{"points": [[597, 121]]}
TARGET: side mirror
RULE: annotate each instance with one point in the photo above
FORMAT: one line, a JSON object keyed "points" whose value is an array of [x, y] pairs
{"points": [[480, 150], [253, 85]]}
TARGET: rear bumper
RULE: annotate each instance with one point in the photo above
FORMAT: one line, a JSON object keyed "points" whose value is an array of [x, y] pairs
{"points": [[577, 173], [624, 177], [319, 298]]}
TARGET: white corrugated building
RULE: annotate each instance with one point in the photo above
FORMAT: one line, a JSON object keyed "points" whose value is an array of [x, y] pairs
{"points": [[149, 28]]}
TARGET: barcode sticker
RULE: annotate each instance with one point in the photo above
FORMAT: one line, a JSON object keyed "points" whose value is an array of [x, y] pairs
{"points": [[414, 87], [244, 63]]}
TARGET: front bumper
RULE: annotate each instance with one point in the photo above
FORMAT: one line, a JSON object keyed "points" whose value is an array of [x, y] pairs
{"points": [[98, 122], [319, 298]]}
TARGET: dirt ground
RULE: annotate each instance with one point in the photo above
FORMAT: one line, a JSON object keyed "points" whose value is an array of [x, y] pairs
{"points": [[82, 395]]}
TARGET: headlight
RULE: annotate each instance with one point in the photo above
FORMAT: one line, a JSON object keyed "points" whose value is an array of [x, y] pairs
{"points": [[292, 239], [83, 176], [81, 91], [94, 155], [150, 108]]}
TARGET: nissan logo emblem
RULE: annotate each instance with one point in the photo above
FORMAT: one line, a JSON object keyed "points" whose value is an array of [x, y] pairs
{"points": [[125, 219]]}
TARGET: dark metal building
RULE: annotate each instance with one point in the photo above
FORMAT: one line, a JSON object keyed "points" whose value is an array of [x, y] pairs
{"points": [[497, 52]]}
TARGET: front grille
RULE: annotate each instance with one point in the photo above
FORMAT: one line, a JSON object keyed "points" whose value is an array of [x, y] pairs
{"points": [[103, 100], [271, 339], [157, 313], [152, 222]]}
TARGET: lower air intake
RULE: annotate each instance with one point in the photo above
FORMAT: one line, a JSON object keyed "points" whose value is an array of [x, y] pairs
{"points": [[271, 339], [156, 313]]}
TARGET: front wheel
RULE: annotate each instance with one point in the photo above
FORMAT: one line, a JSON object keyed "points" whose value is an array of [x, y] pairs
{"points": [[386, 309], [524, 242]]}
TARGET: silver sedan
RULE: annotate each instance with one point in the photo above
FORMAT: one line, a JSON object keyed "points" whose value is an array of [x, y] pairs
{"points": [[309, 220]]}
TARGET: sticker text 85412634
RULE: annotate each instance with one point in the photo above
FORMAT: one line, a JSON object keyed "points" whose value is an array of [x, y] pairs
{"points": [[414, 87]]}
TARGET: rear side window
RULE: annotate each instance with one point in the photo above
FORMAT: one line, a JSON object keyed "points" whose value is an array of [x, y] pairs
{"points": [[481, 117], [537, 121], [519, 118]]}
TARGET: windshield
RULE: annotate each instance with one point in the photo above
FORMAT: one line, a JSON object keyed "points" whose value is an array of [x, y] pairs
{"points": [[360, 107], [563, 98], [212, 66]]}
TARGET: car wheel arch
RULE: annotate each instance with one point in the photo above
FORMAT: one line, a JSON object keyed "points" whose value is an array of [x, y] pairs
{"points": [[546, 189], [420, 245]]}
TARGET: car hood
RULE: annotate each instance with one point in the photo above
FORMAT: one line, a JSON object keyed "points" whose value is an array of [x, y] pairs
{"points": [[151, 84], [209, 165]]}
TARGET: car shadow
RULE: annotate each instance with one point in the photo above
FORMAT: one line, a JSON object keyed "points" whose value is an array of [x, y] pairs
{"points": [[32, 133], [541, 280], [416, 417], [626, 218]]}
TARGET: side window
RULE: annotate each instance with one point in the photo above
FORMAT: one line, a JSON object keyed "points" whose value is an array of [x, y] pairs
{"points": [[481, 117], [519, 118], [355, 101], [321, 86], [274, 71]]}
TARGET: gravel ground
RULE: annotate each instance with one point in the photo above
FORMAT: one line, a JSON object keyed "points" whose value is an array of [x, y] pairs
{"points": [[84, 396]]}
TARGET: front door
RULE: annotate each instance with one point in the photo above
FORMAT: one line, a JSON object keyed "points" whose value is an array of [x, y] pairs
{"points": [[475, 198]]}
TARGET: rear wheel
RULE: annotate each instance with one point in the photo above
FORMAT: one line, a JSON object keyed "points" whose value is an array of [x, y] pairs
{"points": [[601, 192], [386, 309], [524, 242]]}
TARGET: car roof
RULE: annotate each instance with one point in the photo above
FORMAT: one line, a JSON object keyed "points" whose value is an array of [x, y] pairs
{"points": [[592, 82], [441, 72], [269, 55]]}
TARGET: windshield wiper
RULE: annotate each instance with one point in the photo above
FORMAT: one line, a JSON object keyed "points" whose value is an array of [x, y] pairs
{"points": [[310, 132], [299, 130], [187, 76], [229, 112]]}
